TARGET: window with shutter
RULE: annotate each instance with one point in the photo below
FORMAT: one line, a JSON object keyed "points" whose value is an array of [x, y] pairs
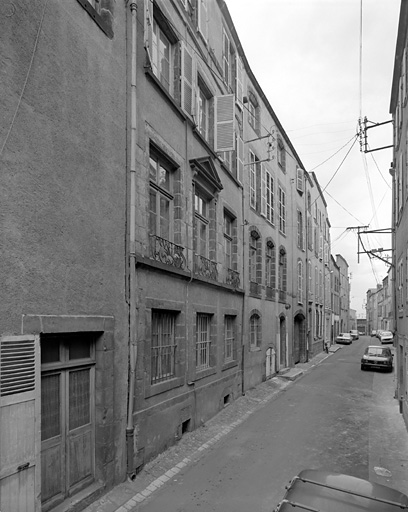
{"points": [[240, 159], [224, 107], [187, 80], [239, 88], [202, 18], [299, 179]]}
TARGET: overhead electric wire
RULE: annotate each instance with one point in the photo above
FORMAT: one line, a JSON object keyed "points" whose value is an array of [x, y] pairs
{"points": [[381, 174], [345, 209], [334, 154], [341, 163]]}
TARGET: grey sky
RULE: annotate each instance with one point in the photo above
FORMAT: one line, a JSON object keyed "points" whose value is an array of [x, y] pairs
{"points": [[306, 57]]}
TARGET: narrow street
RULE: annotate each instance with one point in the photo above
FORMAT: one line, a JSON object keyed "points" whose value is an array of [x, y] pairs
{"points": [[332, 418]]}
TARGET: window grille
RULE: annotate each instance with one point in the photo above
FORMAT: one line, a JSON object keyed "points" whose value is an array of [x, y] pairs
{"points": [[163, 348], [203, 342]]}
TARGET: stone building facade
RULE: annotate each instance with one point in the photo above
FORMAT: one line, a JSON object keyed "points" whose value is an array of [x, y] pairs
{"points": [[164, 248]]}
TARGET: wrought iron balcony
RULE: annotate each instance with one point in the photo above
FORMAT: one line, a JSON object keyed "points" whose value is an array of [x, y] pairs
{"points": [[205, 267], [166, 252], [232, 278], [282, 296]]}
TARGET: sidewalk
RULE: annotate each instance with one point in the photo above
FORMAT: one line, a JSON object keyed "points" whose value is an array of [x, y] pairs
{"points": [[125, 497]]}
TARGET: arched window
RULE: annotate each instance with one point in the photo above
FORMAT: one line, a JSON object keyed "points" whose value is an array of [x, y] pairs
{"points": [[255, 261], [270, 269], [255, 330], [282, 275]]}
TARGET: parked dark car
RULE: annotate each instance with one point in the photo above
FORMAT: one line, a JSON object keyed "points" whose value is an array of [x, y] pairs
{"points": [[377, 357], [317, 490], [344, 338]]}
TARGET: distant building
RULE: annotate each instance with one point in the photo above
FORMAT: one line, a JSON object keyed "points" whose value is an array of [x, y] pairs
{"points": [[344, 293]]}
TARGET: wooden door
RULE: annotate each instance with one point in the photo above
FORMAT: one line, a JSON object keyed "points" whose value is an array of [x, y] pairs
{"points": [[67, 411], [19, 424]]}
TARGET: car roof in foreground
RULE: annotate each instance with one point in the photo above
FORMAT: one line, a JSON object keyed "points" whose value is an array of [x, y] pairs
{"points": [[319, 490]]}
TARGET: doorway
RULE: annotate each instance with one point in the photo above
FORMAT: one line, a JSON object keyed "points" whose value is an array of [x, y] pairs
{"points": [[299, 339], [67, 416], [282, 335]]}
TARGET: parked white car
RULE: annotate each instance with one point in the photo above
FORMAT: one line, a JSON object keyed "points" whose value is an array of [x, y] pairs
{"points": [[386, 337]]}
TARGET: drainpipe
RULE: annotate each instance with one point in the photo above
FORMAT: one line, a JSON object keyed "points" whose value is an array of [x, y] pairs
{"points": [[131, 246]]}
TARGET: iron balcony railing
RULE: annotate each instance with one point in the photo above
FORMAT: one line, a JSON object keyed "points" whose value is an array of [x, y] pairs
{"points": [[205, 267], [166, 252], [232, 278]]}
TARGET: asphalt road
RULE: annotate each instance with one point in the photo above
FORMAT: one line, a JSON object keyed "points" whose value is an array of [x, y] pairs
{"points": [[325, 420]]}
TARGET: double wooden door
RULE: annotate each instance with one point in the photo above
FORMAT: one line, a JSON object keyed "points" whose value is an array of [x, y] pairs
{"points": [[67, 417]]}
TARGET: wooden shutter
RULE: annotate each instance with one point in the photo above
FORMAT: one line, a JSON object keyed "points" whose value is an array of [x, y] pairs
{"points": [[20, 424], [240, 160], [224, 107], [202, 18], [187, 76], [239, 81], [263, 190], [299, 179], [148, 30]]}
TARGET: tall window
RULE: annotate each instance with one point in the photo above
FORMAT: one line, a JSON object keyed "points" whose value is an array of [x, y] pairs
{"points": [[270, 197], [282, 275], [161, 197], [254, 263], [162, 56], [203, 341], [252, 179], [203, 108], [281, 155], [300, 281], [282, 211], [252, 259], [229, 338], [310, 279], [255, 330], [228, 240], [270, 265], [163, 346], [300, 232], [226, 58], [253, 111], [201, 224]]}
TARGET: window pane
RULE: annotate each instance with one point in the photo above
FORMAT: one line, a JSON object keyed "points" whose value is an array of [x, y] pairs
{"points": [[50, 351], [164, 178], [153, 213], [153, 169], [79, 398], [50, 406], [79, 349], [164, 218]]}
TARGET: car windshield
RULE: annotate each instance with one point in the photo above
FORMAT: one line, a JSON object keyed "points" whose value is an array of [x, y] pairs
{"points": [[386, 333], [344, 334], [376, 351]]}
